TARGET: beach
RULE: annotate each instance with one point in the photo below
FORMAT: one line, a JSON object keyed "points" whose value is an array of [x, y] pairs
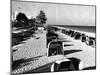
{"points": [[36, 50], [79, 50]]}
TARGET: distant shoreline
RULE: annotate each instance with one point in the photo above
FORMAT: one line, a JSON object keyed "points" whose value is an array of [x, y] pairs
{"points": [[71, 25], [91, 29]]}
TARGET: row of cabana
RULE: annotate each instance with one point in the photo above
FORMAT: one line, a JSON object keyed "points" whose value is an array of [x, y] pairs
{"points": [[78, 35]]}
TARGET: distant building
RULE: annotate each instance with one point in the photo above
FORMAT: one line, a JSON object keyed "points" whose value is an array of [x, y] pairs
{"points": [[40, 28]]}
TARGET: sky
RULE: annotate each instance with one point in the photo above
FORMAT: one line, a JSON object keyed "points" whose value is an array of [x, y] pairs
{"points": [[59, 14]]}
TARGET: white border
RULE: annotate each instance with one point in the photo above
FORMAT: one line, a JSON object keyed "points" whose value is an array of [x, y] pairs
{"points": [[5, 36]]}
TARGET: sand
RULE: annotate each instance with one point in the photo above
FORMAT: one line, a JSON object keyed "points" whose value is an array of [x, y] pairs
{"points": [[87, 55], [32, 48], [37, 47]]}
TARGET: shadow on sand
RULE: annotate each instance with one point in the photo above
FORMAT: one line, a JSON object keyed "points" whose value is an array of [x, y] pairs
{"points": [[71, 51], [23, 62]]}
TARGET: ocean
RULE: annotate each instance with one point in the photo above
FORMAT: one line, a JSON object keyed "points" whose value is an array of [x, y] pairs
{"points": [[91, 29]]}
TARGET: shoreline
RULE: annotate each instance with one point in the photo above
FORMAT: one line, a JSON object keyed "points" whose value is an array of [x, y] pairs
{"points": [[84, 32]]}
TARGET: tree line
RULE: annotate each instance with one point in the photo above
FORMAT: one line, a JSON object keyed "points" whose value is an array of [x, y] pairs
{"points": [[22, 21]]}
